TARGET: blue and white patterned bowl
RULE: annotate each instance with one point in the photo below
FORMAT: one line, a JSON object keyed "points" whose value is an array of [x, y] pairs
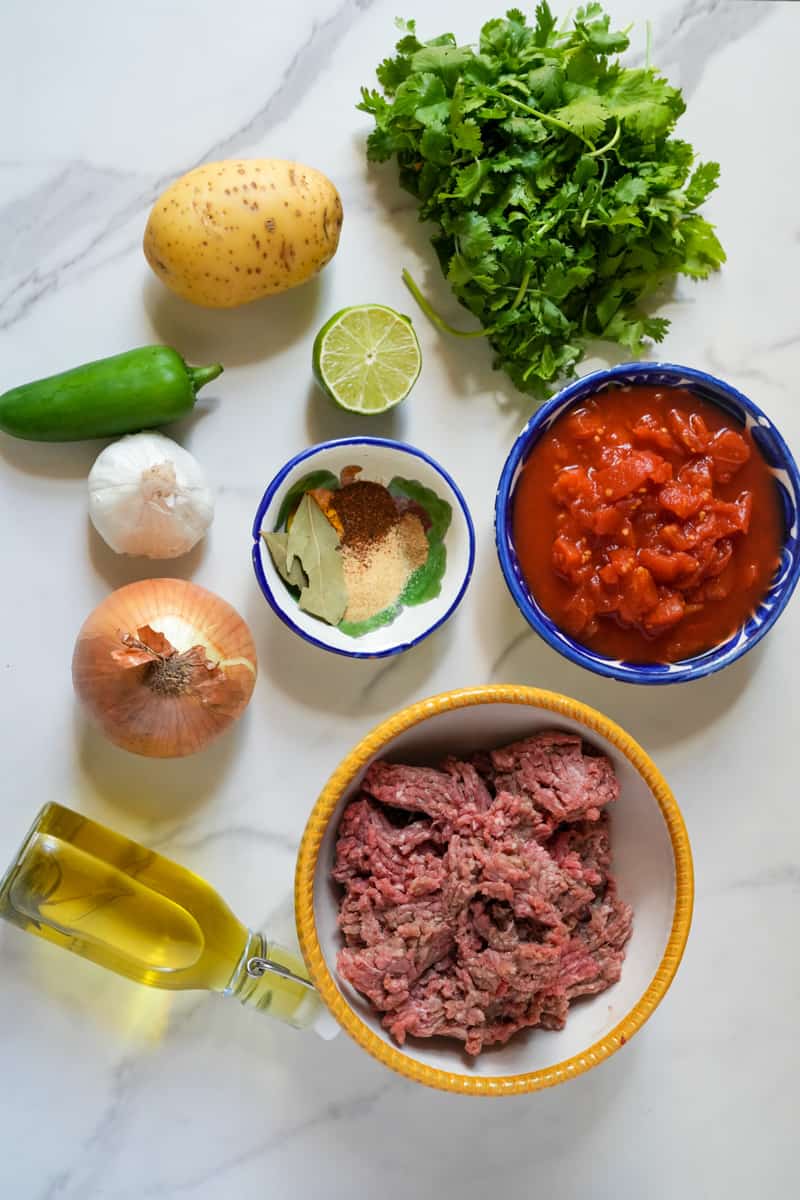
{"points": [[787, 480], [380, 459]]}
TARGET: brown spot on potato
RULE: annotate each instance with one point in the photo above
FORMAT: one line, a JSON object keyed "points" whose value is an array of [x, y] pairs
{"points": [[269, 224], [292, 179]]}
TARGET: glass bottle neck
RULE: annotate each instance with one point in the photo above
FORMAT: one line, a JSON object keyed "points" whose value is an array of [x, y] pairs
{"points": [[273, 980]]}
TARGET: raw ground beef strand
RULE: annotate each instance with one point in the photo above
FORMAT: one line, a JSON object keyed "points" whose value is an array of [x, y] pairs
{"points": [[478, 898]]}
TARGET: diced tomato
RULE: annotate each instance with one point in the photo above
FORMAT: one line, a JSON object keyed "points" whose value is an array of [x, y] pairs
{"points": [[584, 423], [623, 559], [607, 520], [681, 498], [604, 597], [729, 451], [651, 431], [668, 612], [691, 431], [632, 471], [697, 472], [578, 613], [567, 557], [679, 537], [726, 517], [667, 567], [573, 483], [639, 593], [719, 556]]}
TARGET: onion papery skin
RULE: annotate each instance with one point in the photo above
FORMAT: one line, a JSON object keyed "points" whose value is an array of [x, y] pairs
{"points": [[124, 700]]}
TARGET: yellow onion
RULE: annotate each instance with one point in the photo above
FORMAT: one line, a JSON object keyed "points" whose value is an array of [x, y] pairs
{"points": [[164, 666]]}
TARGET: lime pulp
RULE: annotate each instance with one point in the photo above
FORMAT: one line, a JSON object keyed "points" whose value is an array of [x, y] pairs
{"points": [[367, 358]]}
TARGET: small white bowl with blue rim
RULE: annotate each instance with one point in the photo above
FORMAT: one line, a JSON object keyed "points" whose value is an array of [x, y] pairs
{"points": [[774, 451], [380, 459]]}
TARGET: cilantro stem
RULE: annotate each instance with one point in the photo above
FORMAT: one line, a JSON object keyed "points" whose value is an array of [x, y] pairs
{"points": [[521, 290], [648, 44], [543, 116], [612, 142], [433, 316]]}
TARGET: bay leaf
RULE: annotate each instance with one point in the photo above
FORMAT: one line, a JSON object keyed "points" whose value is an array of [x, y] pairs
{"points": [[313, 540], [295, 576]]}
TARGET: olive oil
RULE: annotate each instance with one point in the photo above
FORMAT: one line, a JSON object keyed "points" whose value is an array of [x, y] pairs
{"points": [[108, 899]]}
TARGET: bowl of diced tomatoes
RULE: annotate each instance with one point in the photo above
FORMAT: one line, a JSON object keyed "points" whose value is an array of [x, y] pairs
{"points": [[646, 523]]}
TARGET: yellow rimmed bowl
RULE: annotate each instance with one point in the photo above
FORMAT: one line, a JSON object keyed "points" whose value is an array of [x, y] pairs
{"points": [[652, 863]]}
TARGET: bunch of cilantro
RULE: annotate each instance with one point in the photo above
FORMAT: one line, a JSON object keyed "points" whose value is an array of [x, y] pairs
{"points": [[559, 197]]}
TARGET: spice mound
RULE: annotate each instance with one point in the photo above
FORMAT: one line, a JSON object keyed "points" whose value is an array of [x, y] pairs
{"points": [[357, 551], [478, 896]]}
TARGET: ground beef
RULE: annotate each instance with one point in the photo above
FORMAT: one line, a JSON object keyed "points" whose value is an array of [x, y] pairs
{"points": [[477, 898]]}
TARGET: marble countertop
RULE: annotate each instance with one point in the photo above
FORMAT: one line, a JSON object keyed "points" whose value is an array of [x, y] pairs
{"points": [[113, 1092]]}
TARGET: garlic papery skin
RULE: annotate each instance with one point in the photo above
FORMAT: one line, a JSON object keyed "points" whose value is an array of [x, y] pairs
{"points": [[148, 496]]}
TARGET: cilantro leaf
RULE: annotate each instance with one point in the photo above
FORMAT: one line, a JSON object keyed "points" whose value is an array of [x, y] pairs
{"points": [[586, 115], [702, 183], [558, 194]]}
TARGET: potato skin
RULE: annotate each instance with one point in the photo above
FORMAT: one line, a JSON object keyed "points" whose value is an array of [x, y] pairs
{"points": [[231, 232]]}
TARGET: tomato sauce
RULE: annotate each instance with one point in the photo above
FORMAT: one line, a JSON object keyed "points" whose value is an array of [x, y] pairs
{"points": [[647, 524]]}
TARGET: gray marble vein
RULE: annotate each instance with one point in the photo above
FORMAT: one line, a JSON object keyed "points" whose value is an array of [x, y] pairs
{"points": [[507, 651], [178, 843], [332, 1113], [782, 875], [131, 196], [692, 33]]}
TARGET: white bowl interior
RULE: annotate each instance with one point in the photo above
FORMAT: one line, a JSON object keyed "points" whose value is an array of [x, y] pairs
{"points": [[643, 864], [379, 463]]}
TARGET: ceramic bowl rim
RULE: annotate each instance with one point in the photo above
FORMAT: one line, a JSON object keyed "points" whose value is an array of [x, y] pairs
{"points": [[397, 1059], [274, 486], [647, 674]]}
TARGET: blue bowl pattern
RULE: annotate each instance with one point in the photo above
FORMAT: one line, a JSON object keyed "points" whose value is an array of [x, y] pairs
{"points": [[787, 480], [277, 484]]}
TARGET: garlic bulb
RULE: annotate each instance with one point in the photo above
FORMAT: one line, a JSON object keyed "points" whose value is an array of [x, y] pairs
{"points": [[149, 496]]}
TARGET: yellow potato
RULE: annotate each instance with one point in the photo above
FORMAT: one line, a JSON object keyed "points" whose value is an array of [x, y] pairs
{"points": [[230, 232]]}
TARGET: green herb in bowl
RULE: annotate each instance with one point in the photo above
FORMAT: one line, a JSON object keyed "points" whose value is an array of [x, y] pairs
{"points": [[559, 196]]}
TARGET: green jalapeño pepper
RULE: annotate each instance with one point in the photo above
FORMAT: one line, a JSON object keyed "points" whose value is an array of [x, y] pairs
{"points": [[136, 390]]}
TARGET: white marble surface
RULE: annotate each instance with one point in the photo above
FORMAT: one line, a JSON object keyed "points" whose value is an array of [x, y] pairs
{"points": [[111, 1092]]}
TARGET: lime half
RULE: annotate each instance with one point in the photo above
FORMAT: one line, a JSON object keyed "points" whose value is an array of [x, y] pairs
{"points": [[367, 358]]}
